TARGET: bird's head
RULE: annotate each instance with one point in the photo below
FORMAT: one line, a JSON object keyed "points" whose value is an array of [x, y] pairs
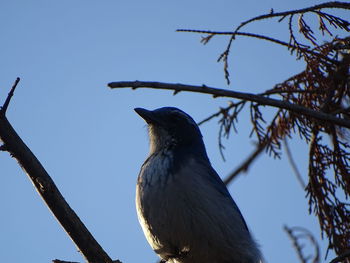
{"points": [[171, 127]]}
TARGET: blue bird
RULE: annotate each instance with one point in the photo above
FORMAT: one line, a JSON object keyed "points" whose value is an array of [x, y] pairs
{"points": [[184, 208]]}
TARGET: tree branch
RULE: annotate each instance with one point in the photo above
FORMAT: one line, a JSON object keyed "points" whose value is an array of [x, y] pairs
{"points": [[334, 4], [47, 189], [297, 235], [290, 46], [321, 116], [224, 56], [62, 261], [341, 257], [245, 165], [4, 107], [230, 33], [293, 164]]}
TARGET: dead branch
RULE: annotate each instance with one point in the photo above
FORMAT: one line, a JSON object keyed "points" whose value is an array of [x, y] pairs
{"points": [[297, 236], [334, 4], [321, 116], [290, 46], [218, 113], [291, 13], [293, 164], [305, 30], [246, 164], [47, 189]]}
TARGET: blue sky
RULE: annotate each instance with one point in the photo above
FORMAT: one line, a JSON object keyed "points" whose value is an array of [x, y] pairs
{"points": [[92, 143]]}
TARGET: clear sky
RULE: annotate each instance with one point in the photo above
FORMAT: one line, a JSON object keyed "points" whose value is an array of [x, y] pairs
{"points": [[91, 141]]}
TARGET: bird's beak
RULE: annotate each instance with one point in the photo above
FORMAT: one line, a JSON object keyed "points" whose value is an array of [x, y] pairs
{"points": [[147, 115]]}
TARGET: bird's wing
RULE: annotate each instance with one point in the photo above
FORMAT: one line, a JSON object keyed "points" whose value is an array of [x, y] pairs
{"points": [[214, 179]]}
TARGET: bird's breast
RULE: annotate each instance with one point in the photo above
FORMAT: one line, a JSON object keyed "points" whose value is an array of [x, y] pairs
{"points": [[158, 202], [157, 170]]}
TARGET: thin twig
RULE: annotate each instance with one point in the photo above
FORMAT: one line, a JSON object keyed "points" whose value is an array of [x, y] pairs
{"points": [[216, 114], [229, 33], [293, 164], [234, 94], [224, 55], [304, 234], [258, 36], [297, 91], [246, 164], [4, 107], [334, 4]]}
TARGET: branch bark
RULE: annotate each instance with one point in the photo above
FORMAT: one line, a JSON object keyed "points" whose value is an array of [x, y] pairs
{"points": [[47, 189], [321, 116]]}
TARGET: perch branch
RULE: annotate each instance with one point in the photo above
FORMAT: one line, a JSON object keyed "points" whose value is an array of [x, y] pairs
{"points": [[47, 189], [321, 116]]}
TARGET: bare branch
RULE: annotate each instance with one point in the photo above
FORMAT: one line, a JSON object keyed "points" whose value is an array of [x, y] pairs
{"points": [[246, 164], [299, 234], [3, 109], [225, 54], [216, 114], [230, 33], [47, 189], [321, 116], [293, 164], [290, 46], [63, 261], [293, 45], [334, 4]]}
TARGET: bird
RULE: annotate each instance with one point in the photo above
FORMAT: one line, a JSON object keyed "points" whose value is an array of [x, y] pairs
{"points": [[184, 208]]}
